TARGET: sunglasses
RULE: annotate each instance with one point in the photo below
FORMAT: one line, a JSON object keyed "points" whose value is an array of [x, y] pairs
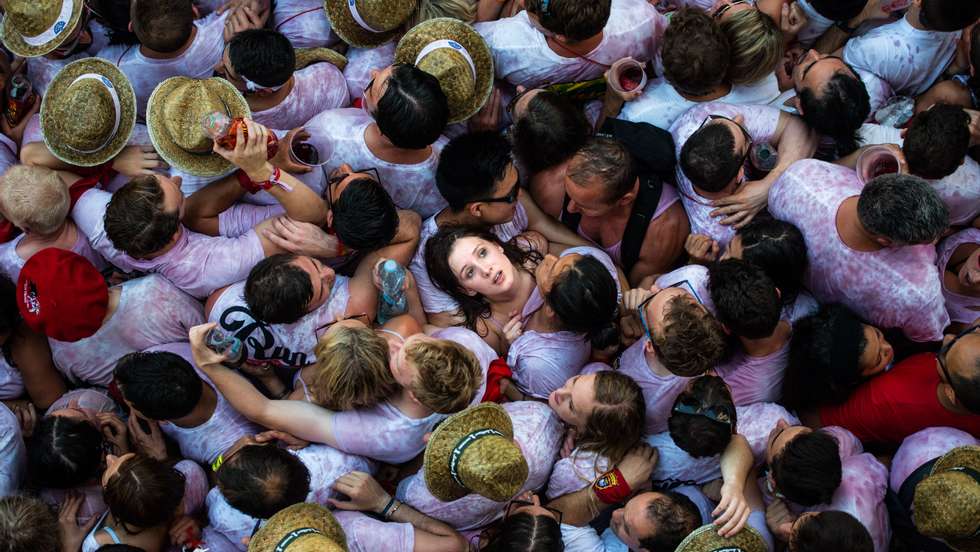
{"points": [[944, 350], [362, 317], [522, 503], [725, 7], [337, 179], [642, 307], [509, 199], [694, 407]]}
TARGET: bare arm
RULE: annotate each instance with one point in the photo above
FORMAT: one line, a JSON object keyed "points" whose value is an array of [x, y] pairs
{"points": [[406, 241], [665, 237], [38, 155], [32, 355], [548, 226], [203, 207], [733, 510]]}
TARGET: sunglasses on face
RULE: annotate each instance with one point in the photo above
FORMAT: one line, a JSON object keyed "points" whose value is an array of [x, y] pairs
{"points": [[720, 414], [334, 180], [642, 307], [944, 350], [509, 199]]}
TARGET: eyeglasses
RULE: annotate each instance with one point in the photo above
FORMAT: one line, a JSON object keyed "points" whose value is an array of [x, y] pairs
{"points": [[725, 7], [745, 134], [522, 503], [721, 414], [510, 198], [642, 307], [362, 317], [334, 180], [944, 350]]}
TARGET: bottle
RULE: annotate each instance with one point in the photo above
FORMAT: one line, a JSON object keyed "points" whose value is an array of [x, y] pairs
{"points": [[764, 157], [20, 98], [222, 342], [896, 112], [224, 130], [392, 301]]}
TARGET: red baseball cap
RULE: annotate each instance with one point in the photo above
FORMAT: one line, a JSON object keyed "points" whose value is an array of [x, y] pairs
{"points": [[61, 295]]}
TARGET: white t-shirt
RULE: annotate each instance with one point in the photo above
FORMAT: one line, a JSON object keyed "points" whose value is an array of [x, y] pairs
{"points": [[360, 63], [521, 55], [304, 22], [924, 446], [908, 59], [41, 70], [13, 453], [11, 262], [197, 61], [316, 88]]}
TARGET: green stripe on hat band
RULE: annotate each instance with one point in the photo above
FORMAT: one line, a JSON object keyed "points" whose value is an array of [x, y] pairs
{"points": [[292, 536], [462, 445]]}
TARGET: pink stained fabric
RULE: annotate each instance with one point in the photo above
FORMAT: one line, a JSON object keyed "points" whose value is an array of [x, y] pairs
{"points": [[11, 262], [367, 534], [151, 312], [761, 122], [13, 453], [961, 308], [755, 379], [410, 186], [522, 57], [316, 88], [659, 392], [923, 446], [896, 287], [304, 22], [537, 430], [282, 344], [362, 61]]}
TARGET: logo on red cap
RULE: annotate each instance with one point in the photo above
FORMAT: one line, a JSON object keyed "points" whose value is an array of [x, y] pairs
{"points": [[31, 303]]}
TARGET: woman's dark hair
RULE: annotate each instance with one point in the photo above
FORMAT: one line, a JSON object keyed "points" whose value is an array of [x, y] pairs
{"points": [[144, 493], [974, 81], [161, 385], [549, 132], [830, 530], [260, 480], [277, 291], [9, 314], [437, 250], [584, 297], [114, 14], [523, 532], [824, 358], [64, 452], [777, 247], [699, 435], [413, 111]]}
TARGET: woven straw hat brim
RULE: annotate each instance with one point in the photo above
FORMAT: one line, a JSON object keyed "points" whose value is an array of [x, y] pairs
{"points": [[52, 130], [298, 516], [14, 41], [706, 539], [447, 28], [969, 457], [343, 23], [442, 441], [308, 56], [190, 163]]}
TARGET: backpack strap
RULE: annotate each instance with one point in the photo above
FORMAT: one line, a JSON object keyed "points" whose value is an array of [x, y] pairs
{"points": [[647, 200], [570, 220]]}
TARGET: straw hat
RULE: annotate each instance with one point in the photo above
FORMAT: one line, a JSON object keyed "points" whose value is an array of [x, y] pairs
{"points": [[368, 23], [88, 112], [706, 539], [32, 28], [457, 55], [947, 502], [308, 56], [174, 117], [302, 527], [474, 451]]}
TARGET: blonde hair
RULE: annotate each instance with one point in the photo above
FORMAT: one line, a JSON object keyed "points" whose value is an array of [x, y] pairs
{"points": [[448, 374], [352, 370], [35, 199], [464, 10], [27, 525], [757, 45]]}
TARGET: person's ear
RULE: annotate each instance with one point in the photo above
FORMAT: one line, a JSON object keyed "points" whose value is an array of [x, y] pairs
{"points": [[475, 209], [797, 104], [330, 218], [426, 437], [882, 241], [129, 27], [950, 393]]}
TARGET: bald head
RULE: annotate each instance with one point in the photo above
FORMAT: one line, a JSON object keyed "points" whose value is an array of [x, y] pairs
{"points": [[963, 364]]}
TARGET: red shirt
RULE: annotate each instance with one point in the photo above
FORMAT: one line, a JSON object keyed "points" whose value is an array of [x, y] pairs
{"points": [[894, 405]]}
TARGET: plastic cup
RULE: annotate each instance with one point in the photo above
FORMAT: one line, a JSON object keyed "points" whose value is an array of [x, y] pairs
{"points": [[305, 153], [627, 76], [877, 161]]}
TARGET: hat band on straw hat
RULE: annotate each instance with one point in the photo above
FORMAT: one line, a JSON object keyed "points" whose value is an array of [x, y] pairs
{"points": [[59, 26], [352, 5], [457, 454], [452, 45], [107, 84], [291, 536]]}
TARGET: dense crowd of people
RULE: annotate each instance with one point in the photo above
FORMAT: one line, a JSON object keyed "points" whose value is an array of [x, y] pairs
{"points": [[501, 275]]}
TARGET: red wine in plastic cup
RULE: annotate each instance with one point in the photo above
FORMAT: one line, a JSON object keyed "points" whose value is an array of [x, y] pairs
{"points": [[630, 78]]}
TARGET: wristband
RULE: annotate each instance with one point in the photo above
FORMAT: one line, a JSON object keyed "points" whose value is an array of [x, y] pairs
{"points": [[611, 487], [393, 509], [217, 463], [254, 187]]}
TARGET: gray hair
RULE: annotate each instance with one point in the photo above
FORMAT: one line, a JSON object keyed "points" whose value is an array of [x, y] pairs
{"points": [[902, 208]]}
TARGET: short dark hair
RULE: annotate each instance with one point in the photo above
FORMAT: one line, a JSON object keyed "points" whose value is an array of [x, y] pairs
{"points": [[709, 159], [948, 15], [608, 160], [549, 132], [696, 53], [470, 166], [263, 56], [838, 110], [808, 469], [145, 492], [277, 291], [364, 216], [584, 297], [839, 10], [697, 435], [64, 452], [160, 384], [824, 358], [902, 208], [135, 220], [10, 318], [937, 141], [778, 248], [675, 517], [163, 25], [576, 20], [523, 531], [830, 530], [413, 111], [745, 298], [261, 480]]}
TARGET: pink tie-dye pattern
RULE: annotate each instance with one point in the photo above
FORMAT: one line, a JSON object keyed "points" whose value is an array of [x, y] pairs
{"points": [[537, 430], [756, 422], [961, 308], [659, 392], [360, 63], [754, 379], [895, 287], [923, 446], [367, 534], [151, 312], [960, 192], [11, 383], [316, 88], [304, 22]]}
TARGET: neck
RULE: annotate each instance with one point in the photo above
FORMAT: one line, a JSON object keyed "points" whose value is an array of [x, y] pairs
{"points": [[169, 246], [727, 191], [851, 231], [202, 411], [153, 54], [258, 101], [408, 406], [381, 146], [114, 295], [912, 16], [544, 320], [64, 235], [654, 364], [717, 92], [573, 49], [447, 217], [767, 345]]}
